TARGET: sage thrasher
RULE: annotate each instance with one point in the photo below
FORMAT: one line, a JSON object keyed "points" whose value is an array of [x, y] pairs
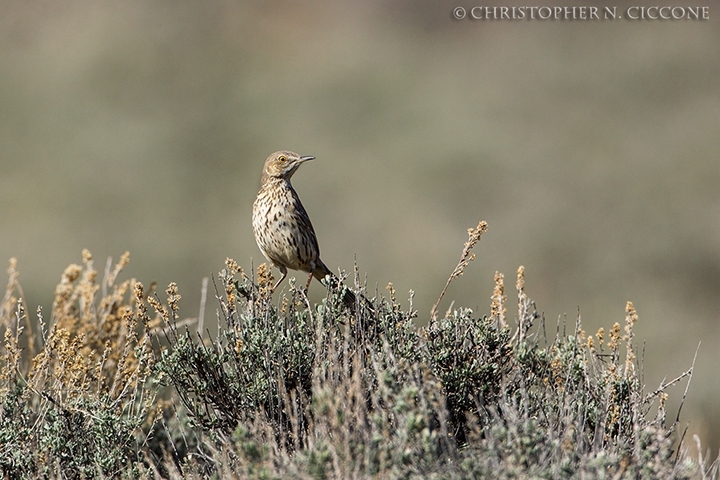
{"points": [[282, 227]]}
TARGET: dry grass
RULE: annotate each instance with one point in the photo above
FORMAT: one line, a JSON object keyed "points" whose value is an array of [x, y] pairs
{"points": [[315, 391], [82, 405]]}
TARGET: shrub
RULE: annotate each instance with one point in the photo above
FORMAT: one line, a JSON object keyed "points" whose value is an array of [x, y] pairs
{"points": [[106, 389], [77, 407]]}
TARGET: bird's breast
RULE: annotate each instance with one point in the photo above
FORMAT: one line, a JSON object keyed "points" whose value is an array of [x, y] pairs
{"points": [[280, 231]]}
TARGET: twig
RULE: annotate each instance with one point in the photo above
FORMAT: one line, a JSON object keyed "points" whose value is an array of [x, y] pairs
{"points": [[466, 257], [203, 299], [687, 387]]}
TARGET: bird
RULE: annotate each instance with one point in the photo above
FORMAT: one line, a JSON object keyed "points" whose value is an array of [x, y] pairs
{"points": [[282, 226]]}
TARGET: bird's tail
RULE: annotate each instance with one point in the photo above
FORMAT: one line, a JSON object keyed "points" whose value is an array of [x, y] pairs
{"points": [[322, 273]]}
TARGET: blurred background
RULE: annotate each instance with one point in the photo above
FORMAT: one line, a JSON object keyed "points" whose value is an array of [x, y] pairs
{"points": [[591, 149]]}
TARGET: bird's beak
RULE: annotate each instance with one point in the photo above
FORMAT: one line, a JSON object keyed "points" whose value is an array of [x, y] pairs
{"points": [[306, 158]]}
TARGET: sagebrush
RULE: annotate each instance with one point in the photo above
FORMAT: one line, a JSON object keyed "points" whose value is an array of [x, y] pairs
{"points": [[284, 388]]}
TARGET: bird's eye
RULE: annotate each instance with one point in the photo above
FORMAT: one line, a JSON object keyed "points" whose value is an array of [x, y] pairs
{"points": [[282, 158]]}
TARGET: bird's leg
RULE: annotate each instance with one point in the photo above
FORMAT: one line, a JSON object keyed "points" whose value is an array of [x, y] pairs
{"points": [[307, 285], [283, 274]]}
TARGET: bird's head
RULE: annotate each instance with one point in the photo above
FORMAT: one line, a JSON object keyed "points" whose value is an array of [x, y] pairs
{"points": [[282, 165]]}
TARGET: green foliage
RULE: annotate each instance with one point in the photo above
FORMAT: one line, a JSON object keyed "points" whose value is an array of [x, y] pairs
{"points": [[324, 392]]}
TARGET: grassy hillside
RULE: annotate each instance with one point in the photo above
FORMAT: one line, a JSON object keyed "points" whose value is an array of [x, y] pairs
{"points": [[115, 382]]}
